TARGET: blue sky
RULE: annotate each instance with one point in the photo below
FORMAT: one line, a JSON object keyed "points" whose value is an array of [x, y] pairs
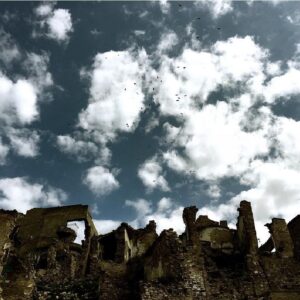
{"points": [[139, 109]]}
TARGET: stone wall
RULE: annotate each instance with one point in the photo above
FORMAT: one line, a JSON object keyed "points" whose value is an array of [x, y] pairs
{"points": [[39, 259]]}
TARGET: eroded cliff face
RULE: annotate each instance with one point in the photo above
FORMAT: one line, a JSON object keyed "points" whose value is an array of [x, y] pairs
{"points": [[39, 258]]}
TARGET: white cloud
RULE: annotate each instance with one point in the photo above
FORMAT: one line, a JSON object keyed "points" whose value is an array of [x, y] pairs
{"points": [[240, 58], [283, 85], [164, 6], [175, 161], [18, 193], [275, 192], [81, 150], [188, 79], [58, 22], [166, 214], [19, 98], [9, 51], [116, 100], [273, 68], [36, 66], [142, 206], [286, 132], [215, 145], [167, 41], [116, 96], [150, 172], [44, 9], [100, 180], [3, 152], [18, 101], [217, 8], [152, 123], [24, 141], [139, 32], [214, 191], [106, 226], [222, 139]]}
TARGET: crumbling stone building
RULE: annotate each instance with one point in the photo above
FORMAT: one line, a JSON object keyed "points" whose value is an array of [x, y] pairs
{"points": [[39, 258]]}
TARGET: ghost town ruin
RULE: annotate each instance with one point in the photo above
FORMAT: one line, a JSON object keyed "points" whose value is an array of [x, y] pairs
{"points": [[39, 259]]}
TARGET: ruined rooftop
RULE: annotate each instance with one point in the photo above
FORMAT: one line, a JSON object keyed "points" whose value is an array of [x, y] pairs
{"points": [[39, 258]]}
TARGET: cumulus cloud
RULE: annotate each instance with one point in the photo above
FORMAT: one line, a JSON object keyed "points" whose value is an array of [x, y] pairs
{"points": [[19, 193], [273, 192], [188, 80], [215, 145], [116, 100], [214, 191], [217, 8], [142, 206], [167, 41], [20, 94], [57, 22], [36, 66], [18, 101], [106, 226], [116, 96], [166, 214], [9, 51], [100, 180], [286, 132], [139, 32], [233, 137], [81, 150], [3, 152], [152, 123], [221, 139], [164, 6], [150, 172], [44, 9], [24, 142], [284, 85]]}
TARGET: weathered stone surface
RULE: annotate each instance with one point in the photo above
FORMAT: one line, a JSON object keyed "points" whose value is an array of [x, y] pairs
{"points": [[281, 237], [39, 259]]}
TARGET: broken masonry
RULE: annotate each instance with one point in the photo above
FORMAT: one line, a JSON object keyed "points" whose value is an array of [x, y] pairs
{"points": [[40, 258]]}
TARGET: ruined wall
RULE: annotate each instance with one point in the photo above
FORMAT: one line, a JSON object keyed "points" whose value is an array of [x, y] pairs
{"points": [[246, 232], [281, 238], [39, 259], [294, 229], [8, 221]]}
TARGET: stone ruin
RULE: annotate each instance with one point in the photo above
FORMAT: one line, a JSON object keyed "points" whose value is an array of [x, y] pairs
{"points": [[39, 258]]}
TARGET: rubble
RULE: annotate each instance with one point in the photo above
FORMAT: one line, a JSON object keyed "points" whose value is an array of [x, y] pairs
{"points": [[40, 260]]}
